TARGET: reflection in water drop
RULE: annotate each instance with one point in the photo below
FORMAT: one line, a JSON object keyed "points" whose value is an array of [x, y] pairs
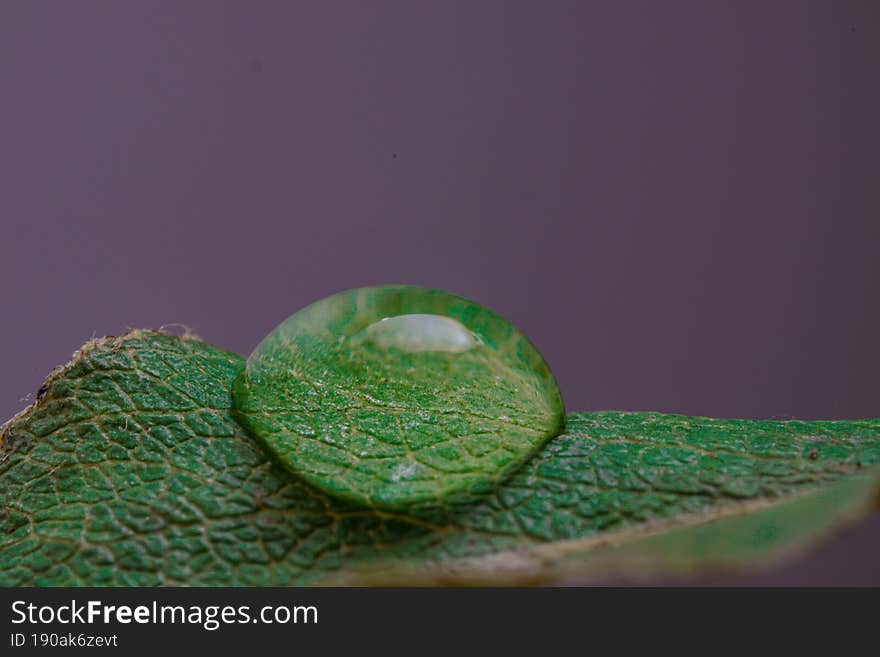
{"points": [[419, 332]]}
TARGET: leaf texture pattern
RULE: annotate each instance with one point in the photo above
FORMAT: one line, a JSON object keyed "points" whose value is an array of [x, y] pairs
{"points": [[130, 470]]}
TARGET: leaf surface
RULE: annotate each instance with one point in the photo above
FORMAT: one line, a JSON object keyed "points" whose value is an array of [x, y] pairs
{"points": [[129, 470]]}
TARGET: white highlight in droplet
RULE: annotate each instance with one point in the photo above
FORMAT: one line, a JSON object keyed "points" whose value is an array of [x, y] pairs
{"points": [[420, 332]]}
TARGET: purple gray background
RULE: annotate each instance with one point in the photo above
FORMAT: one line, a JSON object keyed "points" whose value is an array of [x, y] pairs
{"points": [[679, 202]]}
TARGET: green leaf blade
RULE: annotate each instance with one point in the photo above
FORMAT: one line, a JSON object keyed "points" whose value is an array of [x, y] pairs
{"points": [[131, 470]]}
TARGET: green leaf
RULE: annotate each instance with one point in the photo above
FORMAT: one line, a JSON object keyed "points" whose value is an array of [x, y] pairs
{"points": [[130, 470], [398, 397], [734, 541]]}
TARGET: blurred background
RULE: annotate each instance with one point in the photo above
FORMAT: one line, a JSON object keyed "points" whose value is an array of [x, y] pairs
{"points": [[678, 202]]}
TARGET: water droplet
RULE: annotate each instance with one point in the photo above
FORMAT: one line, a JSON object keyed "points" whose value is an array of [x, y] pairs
{"points": [[438, 395]]}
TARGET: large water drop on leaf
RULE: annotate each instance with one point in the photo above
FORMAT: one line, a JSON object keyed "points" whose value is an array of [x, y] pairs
{"points": [[399, 396]]}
